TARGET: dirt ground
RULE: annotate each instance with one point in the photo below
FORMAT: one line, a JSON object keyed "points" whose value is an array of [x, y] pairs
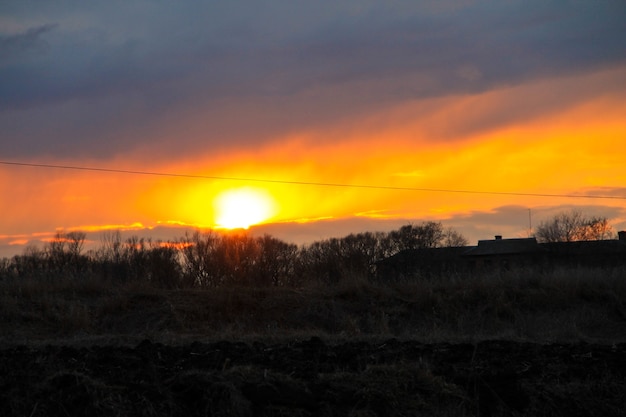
{"points": [[315, 378]]}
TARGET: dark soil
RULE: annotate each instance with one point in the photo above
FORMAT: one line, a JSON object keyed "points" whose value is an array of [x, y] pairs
{"points": [[314, 378]]}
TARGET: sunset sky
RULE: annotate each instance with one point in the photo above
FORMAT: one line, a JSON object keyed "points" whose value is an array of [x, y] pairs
{"points": [[288, 102]]}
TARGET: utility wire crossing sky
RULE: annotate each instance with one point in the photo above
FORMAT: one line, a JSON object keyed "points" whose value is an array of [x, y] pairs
{"points": [[336, 117], [321, 184]]}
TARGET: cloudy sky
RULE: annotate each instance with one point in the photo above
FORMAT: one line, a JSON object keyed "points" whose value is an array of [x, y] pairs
{"points": [[499, 98]]}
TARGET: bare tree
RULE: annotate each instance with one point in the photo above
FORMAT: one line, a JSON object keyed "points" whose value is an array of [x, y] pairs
{"points": [[598, 228], [75, 241], [425, 235], [276, 262], [63, 254], [200, 267], [112, 245], [454, 239], [573, 226]]}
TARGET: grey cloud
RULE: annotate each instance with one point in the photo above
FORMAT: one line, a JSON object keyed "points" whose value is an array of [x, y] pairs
{"points": [[613, 192], [150, 60], [14, 46], [503, 43]]}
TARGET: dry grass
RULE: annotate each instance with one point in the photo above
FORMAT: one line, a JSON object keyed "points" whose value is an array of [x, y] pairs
{"points": [[563, 305]]}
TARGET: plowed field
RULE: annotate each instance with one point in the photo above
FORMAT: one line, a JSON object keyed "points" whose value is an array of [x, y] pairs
{"points": [[315, 378]]}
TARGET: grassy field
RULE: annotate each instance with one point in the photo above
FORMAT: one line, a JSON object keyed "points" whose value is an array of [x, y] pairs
{"points": [[564, 305], [519, 343]]}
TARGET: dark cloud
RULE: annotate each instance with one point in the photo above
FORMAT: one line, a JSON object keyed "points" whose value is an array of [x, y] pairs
{"points": [[121, 70], [15, 46], [612, 192]]}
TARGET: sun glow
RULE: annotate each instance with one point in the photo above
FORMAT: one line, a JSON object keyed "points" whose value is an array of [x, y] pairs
{"points": [[243, 207]]}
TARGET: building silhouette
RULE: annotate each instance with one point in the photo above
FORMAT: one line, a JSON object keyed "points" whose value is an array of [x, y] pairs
{"points": [[503, 254]]}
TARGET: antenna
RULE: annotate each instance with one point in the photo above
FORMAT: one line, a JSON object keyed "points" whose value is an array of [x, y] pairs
{"points": [[530, 223]]}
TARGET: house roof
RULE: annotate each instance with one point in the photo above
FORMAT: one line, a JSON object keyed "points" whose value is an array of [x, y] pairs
{"points": [[601, 249], [589, 247], [410, 256], [505, 247]]}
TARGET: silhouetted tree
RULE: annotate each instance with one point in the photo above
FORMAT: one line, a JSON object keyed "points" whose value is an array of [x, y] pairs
{"points": [[31, 263], [237, 255], [211, 259], [454, 239], [112, 246], [361, 250], [64, 255], [573, 226], [276, 263], [425, 235], [199, 262], [331, 260], [321, 261], [75, 241], [163, 268]]}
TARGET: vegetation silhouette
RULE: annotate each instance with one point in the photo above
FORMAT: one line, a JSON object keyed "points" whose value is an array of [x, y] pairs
{"points": [[574, 226], [230, 324], [211, 259]]}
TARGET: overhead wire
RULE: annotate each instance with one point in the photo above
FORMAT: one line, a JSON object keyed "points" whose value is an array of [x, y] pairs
{"points": [[306, 183]]}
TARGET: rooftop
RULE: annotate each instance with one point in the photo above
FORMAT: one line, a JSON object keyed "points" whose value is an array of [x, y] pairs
{"points": [[501, 246]]}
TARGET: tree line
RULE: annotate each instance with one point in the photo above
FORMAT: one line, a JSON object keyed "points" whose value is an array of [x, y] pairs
{"points": [[211, 259]]}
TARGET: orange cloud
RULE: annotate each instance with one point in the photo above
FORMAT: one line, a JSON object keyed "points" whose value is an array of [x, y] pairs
{"points": [[556, 142]]}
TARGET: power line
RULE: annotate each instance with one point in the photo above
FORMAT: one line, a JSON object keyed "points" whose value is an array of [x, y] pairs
{"points": [[308, 183]]}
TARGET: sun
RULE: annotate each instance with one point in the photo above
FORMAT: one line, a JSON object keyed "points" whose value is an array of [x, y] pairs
{"points": [[241, 208]]}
